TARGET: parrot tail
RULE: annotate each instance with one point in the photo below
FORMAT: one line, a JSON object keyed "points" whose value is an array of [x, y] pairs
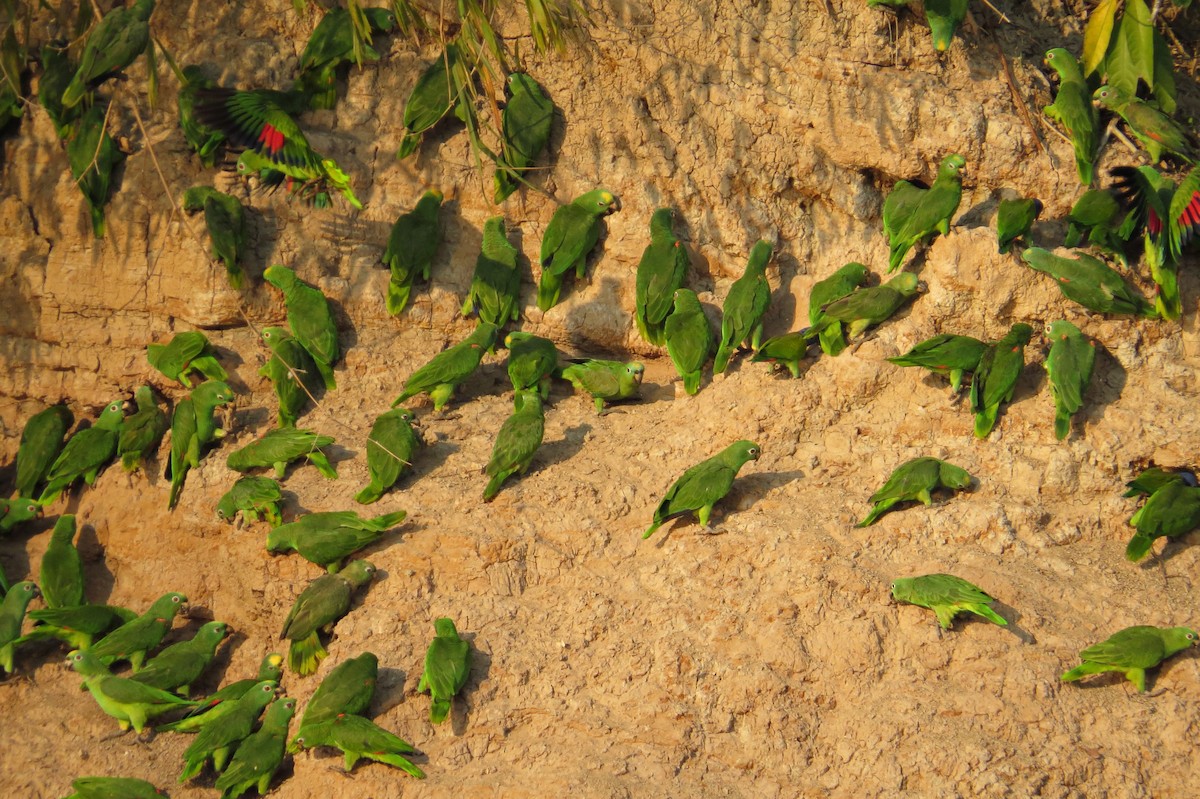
{"points": [[97, 220], [129, 461], [1138, 547], [389, 520], [897, 257], [397, 297], [691, 382], [1074, 235], [396, 760], [493, 486], [1062, 425], [832, 340], [176, 487], [880, 508], [439, 711], [318, 459], [985, 420], [306, 654], [721, 360], [408, 145], [1083, 670], [986, 612], [236, 276], [191, 767], [73, 93], [657, 524], [326, 371], [368, 495], [1083, 165], [549, 288]]}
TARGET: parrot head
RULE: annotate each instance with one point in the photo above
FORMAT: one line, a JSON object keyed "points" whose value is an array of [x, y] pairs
{"points": [[952, 165]]}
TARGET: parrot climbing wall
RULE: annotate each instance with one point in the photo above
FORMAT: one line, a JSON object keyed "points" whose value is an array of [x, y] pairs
{"points": [[766, 660]]}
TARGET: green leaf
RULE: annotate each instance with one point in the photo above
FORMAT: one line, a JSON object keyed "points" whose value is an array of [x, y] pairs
{"points": [[1097, 34], [1118, 65], [1137, 31], [1164, 75]]}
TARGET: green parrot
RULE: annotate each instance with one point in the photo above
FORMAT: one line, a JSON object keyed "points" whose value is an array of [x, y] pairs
{"points": [[12, 615], [193, 429], [703, 485], [435, 93], [391, 445], [1171, 511], [524, 132], [447, 666], [912, 214], [996, 377], [130, 703], [347, 689], [324, 601], [261, 754], [1069, 367], [606, 381], [142, 430], [359, 737], [119, 38], [786, 350], [944, 17], [307, 184], [76, 626], [331, 46], [1131, 651], [865, 307], [572, 233], [251, 496], [947, 596], [945, 354], [1014, 220], [187, 352], [516, 443], [532, 361], [1090, 282], [41, 442], [218, 739], [93, 156], [179, 665], [1098, 215], [450, 367], [113, 788], [57, 71], [1073, 109], [210, 709], [745, 305], [203, 139], [132, 640], [226, 221], [61, 572], [293, 372], [13, 58], [838, 285], [410, 249], [689, 338], [1154, 478], [496, 284], [914, 481], [280, 447], [86, 453], [1157, 132], [310, 318], [14, 512], [326, 538], [660, 273]]}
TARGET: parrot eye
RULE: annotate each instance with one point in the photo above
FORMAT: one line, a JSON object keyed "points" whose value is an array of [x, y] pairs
{"points": [[175, 599], [28, 588], [267, 689], [1191, 636], [31, 508]]}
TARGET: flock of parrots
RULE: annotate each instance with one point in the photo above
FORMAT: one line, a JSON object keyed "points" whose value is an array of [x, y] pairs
{"points": [[1141, 204]]}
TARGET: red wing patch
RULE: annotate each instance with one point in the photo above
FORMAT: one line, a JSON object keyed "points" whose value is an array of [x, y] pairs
{"points": [[272, 140], [1153, 223]]}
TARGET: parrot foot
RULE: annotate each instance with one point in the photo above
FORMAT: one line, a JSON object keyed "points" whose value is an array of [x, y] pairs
{"points": [[706, 530], [110, 736]]}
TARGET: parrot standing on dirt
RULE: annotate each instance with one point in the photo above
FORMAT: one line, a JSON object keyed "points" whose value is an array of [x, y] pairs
{"points": [[1171, 511], [1131, 651], [132, 640], [944, 17], [131, 703], [1157, 132], [840, 284], [947, 596], [13, 59], [1154, 478], [324, 601], [193, 428], [12, 616], [1069, 367], [391, 445], [142, 430], [945, 354], [310, 318], [203, 139], [689, 338], [76, 626], [210, 709], [1014, 220], [93, 156], [1098, 215], [447, 666], [703, 485], [261, 754], [86, 453], [435, 93], [179, 665], [226, 221], [186, 352], [359, 737], [911, 214], [1073, 108], [745, 305], [914, 481], [786, 350], [572, 233], [292, 371], [996, 377], [280, 447], [450, 367], [524, 132], [346, 690], [41, 442], [516, 443], [496, 284], [113, 788], [1090, 282], [57, 71], [61, 572], [331, 46], [218, 739], [661, 271], [411, 247], [119, 38], [532, 361], [326, 538], [605, 381], [867, 306], [251, 496]]}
